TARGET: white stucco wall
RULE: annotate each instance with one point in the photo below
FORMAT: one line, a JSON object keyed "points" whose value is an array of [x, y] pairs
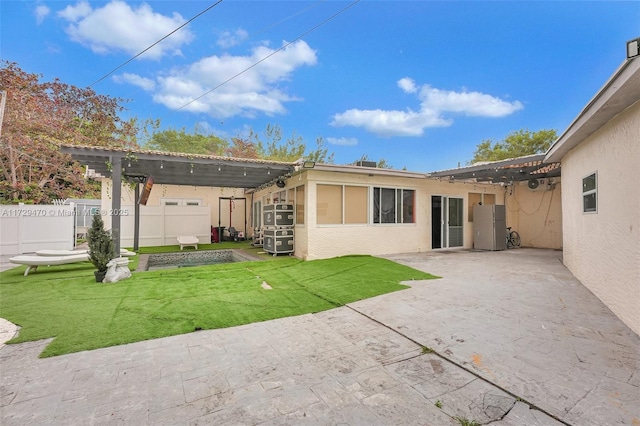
{"points": [[603, 249]]}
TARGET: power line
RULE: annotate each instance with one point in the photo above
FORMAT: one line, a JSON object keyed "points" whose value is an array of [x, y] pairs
{"points": [[157, 42], [270, 55]]}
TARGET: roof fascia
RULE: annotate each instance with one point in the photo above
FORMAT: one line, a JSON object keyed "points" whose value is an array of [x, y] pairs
{"points": [[611, 88]]}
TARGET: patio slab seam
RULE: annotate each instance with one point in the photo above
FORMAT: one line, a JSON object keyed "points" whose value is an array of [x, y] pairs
{"points": [[458, 365]]}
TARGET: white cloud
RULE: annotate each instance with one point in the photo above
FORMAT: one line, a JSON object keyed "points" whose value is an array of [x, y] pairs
{"points": [[136, 80], [229, 39], [434, 105], [468, 103], [75, 13], [407, 84], [390, 123], [256, 89], [41, 12], [119, 27], [343, 141]]}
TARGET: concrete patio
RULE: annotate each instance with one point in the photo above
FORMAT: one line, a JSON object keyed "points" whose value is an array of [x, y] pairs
{"points": [[504, 338]]}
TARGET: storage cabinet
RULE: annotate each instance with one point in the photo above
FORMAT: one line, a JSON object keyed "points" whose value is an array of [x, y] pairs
{"points": [[277, 235], [276, 241], [277, 215]]}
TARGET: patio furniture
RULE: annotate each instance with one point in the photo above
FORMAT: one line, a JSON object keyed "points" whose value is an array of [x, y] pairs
{"points": [[33, 262], [233, 234], [188, 240], [123, 252]]}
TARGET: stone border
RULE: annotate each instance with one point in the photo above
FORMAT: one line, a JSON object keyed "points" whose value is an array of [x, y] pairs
{"points": [[195, 257]]}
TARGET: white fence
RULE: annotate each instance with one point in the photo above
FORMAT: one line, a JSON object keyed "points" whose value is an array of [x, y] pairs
{"points": [[27, 228], [162, 225]]}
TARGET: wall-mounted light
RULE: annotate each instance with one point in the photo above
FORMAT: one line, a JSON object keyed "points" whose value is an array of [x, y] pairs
{"points": [[161, 164], [219, 168], [191, 171], [268, 171], [633, 48], [244, 172], [308, 164]]}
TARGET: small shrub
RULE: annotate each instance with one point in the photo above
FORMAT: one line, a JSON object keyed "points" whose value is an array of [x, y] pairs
{"points": [[100, 244]]}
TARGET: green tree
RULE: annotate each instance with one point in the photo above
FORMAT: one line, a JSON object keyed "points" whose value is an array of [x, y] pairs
{"points": [[243, 148], [271, 146], [198, 142], [38, 118], [321, 154], [516, 144]]}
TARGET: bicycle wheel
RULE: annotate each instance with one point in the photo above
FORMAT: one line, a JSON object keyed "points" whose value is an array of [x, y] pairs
{"points": [[514, 239]]}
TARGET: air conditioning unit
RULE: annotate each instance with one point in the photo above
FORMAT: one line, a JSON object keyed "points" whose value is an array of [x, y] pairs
{"points": [[538, 184]]}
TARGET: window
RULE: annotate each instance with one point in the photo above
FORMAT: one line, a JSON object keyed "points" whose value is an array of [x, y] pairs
{"points": [[355, 204], [329, 206], [300, 205], [590, 194], [342, 204], [393, 205], [476, 198], [181, 201]]}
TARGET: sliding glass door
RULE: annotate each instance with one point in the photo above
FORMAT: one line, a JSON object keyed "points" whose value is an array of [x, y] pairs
{"points": [[446, 222]]}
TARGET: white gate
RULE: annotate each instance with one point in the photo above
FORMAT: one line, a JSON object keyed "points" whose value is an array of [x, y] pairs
{"points": [[27, 228]]}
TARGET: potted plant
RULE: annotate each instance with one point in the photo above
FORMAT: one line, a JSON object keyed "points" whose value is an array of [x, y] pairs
{"points": [[100, 247]]}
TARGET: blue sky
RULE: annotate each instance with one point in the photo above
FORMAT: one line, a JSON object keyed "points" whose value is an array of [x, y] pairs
{"points": [[418, 83]]}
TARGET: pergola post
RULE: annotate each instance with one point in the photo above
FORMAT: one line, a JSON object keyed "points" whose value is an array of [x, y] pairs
{"points": [[136, 222], [116, 179]]}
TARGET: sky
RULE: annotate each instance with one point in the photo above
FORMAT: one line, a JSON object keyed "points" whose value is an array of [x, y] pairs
{"points": [[417, 83]]}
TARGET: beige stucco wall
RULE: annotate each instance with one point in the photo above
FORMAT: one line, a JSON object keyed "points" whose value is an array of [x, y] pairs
{"points": [[315, 241], [536, 215], [603, 249]]}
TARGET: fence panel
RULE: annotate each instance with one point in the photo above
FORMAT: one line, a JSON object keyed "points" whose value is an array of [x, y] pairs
{"points": [[161, 225], [27, 228]]}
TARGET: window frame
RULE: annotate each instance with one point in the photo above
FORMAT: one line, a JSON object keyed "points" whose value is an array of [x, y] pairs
{"points": [[590, 192], [398, 205], [343, 196]]}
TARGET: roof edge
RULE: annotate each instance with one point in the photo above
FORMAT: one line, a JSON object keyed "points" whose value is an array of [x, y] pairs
{"points": [[566, 140]]}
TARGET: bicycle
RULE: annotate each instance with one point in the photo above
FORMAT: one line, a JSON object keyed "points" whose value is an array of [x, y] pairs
{"points": [[513, 238]]}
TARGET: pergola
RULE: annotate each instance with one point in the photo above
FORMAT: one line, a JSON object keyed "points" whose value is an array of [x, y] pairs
{"points": [[137, 166], [504, 171]]}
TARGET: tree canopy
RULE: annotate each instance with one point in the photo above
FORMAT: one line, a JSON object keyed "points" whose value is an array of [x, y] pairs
{"points": [[38, 117], [271, 146], [173, 140], [516, 144]]}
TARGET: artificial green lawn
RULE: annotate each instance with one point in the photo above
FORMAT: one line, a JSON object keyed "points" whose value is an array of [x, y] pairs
{"points": [[65, 302]]}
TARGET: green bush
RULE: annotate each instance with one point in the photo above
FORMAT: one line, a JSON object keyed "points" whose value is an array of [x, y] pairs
{"points": [[100, 244]]}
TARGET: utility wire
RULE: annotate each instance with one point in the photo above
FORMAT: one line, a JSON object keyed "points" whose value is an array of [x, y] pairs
{"points": [[270, 55], [157, 42]]}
